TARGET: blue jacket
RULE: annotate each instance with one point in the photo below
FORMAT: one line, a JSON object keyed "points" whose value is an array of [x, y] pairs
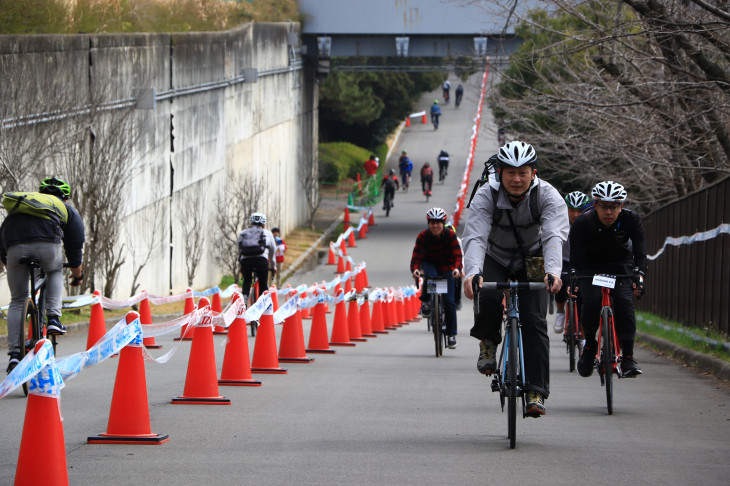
{"points": [[435, 109]]}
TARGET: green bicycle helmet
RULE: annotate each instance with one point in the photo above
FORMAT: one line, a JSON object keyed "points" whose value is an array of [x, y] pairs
{"points": [[55, 187], [576, 200]]}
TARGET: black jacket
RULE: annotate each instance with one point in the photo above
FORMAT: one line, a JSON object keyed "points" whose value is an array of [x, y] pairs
{"points": [[613, 250], [21, 228]]}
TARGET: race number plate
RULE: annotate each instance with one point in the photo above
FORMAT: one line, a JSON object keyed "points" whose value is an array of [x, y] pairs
{"points": [[604, 281], [437, 287]]}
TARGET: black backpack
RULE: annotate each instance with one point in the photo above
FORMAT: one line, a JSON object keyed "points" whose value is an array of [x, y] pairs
{"points": [[252, 241]]}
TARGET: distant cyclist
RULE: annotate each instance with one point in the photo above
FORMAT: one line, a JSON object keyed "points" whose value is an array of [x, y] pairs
{"points": [[406, 168], [23, 235], [446, 89], [437, 252], [256, 250], [459, 94], [443, 159], [501, 135], [435, 114], [609, 239], [391, 184], [426, 179]]}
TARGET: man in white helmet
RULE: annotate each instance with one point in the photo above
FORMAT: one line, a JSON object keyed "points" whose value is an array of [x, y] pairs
{"points": [[515, 220], [256, 249]]}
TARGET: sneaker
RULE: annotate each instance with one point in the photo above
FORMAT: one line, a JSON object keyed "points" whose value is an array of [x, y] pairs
{"points": [[54, 327], [487, 357], [425, 309], [585, 362], [14, 360], [629, 368], [451, 342], [559, 322], [535, 404]]}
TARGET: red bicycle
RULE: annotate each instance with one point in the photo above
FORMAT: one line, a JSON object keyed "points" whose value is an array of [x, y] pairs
{"points": [[573, 336]]}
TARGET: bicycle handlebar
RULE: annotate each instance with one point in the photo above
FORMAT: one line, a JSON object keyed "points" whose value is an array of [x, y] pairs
{"points": [[501, 286]]}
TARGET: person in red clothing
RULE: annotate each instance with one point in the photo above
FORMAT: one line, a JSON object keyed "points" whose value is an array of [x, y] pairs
{"points": [[426, 178], [437, 252], [371, 166]]}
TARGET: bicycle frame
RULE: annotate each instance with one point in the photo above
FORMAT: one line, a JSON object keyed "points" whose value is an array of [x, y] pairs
{"points": [[512, 318], [607, 305]]}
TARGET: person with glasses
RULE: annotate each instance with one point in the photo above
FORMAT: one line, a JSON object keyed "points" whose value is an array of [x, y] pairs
{"points": [[608, 239]]}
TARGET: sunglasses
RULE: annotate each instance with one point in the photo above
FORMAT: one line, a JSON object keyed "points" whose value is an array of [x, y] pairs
{"points": [[608, 207]]}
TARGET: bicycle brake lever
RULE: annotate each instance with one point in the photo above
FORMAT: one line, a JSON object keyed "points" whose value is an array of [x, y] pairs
{"points": [[475, 290]]}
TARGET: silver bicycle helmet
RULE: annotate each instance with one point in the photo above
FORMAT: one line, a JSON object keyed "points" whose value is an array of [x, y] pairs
{"points": [[257, 218], [437, 214], [609, 191], [576, 200], [517, 154]]}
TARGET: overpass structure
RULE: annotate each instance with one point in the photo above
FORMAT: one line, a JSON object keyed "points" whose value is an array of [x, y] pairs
{"points": [[400, 29]]}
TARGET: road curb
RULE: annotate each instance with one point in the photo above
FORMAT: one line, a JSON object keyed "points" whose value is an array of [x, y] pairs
{"points": [[704, 362]]}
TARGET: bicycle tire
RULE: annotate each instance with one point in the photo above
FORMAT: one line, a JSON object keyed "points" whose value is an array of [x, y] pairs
{"points": [[436, 326], [607, 358], [387, 207], [29, 329], [513, 361], [571, 336]]}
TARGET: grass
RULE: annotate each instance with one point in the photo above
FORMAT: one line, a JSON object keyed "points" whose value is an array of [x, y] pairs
{"points": [[683, 335]]}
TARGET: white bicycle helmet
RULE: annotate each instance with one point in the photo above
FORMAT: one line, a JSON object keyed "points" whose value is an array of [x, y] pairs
{"points": [[437, 214], [576, 200], [609, 191], [517, 154], [257, 218]]}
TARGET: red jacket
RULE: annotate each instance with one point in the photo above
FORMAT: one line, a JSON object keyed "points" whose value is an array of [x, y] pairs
{"points": [[371, 167]]}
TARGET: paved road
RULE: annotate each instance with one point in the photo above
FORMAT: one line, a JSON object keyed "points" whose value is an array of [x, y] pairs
{"points": [[387, 412]]}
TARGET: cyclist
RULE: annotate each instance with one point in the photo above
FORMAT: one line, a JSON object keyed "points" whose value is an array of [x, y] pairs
{"points": [[577, 202], [24, 235], [437, 252], [391, 184], [406, 167], [506, 228], [256, 250], [446, 88], [501, 135], [443, 159], [459, 94], [371, 165], [426, 179], [435, 113], [609, 239]]}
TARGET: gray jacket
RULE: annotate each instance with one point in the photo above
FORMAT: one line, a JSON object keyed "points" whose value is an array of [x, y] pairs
{"points": [[482, 237]]}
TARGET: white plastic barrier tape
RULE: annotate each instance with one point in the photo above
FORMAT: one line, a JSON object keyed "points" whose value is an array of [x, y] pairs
{"points": [[688, 240]]}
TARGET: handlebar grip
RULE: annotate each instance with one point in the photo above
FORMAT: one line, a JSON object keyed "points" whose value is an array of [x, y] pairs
{"points": [[551, 299], [475, 289]]}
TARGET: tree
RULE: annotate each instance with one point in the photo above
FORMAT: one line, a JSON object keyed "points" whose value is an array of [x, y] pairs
{"points": [[190, 218], [143, 242]]}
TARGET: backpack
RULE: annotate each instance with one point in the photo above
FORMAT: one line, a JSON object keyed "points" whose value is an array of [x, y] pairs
{"points": [[36, 204], [252, 242], [389, 183]]}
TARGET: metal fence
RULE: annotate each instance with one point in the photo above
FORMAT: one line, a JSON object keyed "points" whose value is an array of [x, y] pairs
{"points": [[690, 283]]}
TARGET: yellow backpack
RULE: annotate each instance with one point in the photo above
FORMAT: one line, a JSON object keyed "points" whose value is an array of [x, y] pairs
{"points": [[36, 204]]}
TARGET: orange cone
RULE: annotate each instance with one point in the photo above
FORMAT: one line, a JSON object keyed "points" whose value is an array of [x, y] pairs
{"points": [[348, 265], [264, 350], [389, 318], [351, 239], [359, 282], [400, 312], [216, 306], [129, 417], [201, 383], [346, 221], [365, 325], [353, 321], [274, 298], [42, 434], [236, 369], [97, 325], [340, 332], [363, 229], [348, 285], [408, 121], [145, 317], [331, 256], [318, 342], [377, 319], [371, 219], [423, 119], [305, 313], [340, 264], [189, 308], [366, 283], [343, 245], [291, 345]]}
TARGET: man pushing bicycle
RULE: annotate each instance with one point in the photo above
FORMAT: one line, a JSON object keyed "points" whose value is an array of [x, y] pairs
{"points": [[514, 226]]}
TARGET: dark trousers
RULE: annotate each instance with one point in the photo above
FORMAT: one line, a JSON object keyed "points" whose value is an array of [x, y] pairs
{"points": [[448, 298], [532, 308], [623, 311], [258, 264]]}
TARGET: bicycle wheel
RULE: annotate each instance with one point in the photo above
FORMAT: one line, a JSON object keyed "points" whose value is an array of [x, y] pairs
{"points": [[387, 206], [513, 362], [571, 334], [31, 329], [607, 358], [438, 343]]}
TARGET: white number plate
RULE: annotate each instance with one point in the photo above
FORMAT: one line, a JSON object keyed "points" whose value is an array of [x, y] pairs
{"points": [[438, 287], [604, 281]]}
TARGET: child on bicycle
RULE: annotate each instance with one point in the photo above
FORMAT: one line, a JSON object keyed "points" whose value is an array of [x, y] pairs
{"points": [[23, 235], [609, 239], [509, 228], [437, 252]]}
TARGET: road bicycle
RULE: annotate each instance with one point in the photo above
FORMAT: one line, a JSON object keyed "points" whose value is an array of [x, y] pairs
{"points": [[406, 178], [443, 168], [426, 185], [573, 336], [387, 203], [34, 311], [435, 121], [253, 296], [457, 99], [436, 286], [608, 355], [509, 377]]}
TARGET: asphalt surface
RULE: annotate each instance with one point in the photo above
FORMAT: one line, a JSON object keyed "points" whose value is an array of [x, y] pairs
{"points": [[387, 411]]}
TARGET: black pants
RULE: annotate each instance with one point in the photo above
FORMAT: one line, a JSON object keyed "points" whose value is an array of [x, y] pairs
{"points": [[258, 264], [623, 310], [533, 308]]}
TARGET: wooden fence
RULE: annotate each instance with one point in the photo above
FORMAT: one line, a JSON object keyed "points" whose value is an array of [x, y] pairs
{"points": [[690, 283]]}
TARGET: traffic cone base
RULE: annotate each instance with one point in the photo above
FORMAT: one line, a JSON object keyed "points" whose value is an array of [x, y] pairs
{"points": [[201, 401], [342, 344], [150, 439], [251, 382], [321, 351], [296, 360]]}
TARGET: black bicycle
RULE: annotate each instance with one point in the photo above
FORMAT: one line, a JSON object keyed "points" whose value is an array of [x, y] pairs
{"points": [[573, 332], [436, 286], [387, 203]]}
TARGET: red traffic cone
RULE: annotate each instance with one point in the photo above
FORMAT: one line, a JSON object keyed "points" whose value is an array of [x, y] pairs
{"points": [[366, 283], [201, 382], [42, 433], [236, 369], [361, 234], [343, 245], [291, 345], [415, 308], [408, 121], [97, 325], [340, 264], [348, 285], [340, 332], [365, 324], [189, 308], [351, 239], [377, 318], [423, 119], [216, 306], [348, 265], [359, 282], [305, 313], [389, 319], [129, 417], [346, 220], [371, 218], [331, 256], [318, 342], [353, 321], [264, 350], [274, 298], [145, 317]]}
